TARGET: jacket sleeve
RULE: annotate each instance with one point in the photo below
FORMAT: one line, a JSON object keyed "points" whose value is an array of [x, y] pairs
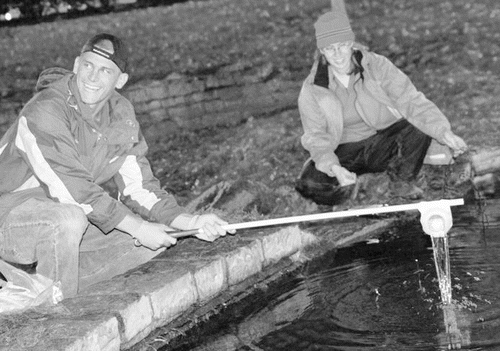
{"points": [[411, 103], [321, 117], [140, 190], [46, 143]]}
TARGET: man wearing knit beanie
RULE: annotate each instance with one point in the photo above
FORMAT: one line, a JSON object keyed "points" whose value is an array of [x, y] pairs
{"points": [[361, 114]]}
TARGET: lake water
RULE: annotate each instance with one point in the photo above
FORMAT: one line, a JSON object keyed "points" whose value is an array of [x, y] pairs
{"points": [[379, 296]]}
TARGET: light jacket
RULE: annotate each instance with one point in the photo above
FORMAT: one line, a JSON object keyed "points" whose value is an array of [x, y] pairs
{"points": [[384, 85], [56, 146]]}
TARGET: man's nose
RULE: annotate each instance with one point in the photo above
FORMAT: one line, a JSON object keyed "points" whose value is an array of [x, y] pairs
{"points": [[93, 75]]}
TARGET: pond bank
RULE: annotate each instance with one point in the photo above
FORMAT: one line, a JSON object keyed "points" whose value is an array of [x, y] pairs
{"points": [[177, 287]]}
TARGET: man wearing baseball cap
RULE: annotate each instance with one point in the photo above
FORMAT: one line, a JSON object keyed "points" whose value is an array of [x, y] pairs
{"points": [[76, 134]]}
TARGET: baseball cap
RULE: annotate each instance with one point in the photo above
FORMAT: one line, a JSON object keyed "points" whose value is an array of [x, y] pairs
{"points": [[108, 46]]}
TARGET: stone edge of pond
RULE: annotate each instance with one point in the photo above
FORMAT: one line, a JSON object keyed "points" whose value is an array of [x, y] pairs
{"points": [[122, 312]]}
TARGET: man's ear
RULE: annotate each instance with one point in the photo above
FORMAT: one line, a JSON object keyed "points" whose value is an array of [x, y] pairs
{"points": [[122, 80], [76, 64]]}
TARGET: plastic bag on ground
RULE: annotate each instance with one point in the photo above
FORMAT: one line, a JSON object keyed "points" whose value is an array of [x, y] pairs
{"points": [[23, 290]]}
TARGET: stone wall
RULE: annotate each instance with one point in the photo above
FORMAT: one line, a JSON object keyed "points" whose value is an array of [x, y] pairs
{"points": [[224, 97], [227, 96]]}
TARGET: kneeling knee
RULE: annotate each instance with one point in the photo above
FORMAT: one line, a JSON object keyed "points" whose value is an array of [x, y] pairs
{"points": [[72, 220]]}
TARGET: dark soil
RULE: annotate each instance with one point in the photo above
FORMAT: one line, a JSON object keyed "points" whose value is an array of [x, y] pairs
{"points": [[450, 49]]}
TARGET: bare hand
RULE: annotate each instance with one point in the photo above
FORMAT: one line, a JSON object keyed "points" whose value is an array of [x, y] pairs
{"points": [[154, 235], [211, 227], [455, 143], [343, 175]]}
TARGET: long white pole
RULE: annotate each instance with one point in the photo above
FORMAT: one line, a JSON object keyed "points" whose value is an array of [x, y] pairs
{"points": [[329, 215]]}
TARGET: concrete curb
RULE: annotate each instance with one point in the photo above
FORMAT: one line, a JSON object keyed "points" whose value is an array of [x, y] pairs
{"points": [[118, 313]]}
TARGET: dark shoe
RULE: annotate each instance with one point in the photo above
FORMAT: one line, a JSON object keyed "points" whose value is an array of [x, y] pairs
{"points": [[324, 193]]}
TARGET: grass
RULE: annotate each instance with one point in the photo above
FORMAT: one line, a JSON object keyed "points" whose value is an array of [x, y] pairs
{"points": [[450, 49]]}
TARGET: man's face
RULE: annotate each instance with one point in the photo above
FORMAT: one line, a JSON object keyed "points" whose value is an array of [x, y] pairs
{"points": [[339, 56], [97, 77]]}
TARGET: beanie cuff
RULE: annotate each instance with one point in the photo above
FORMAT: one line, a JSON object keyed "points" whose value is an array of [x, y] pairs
{"points": [[327, 40]]}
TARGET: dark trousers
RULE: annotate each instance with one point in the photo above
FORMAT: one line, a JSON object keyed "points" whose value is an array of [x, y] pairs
{"points": [[398, 150]]}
